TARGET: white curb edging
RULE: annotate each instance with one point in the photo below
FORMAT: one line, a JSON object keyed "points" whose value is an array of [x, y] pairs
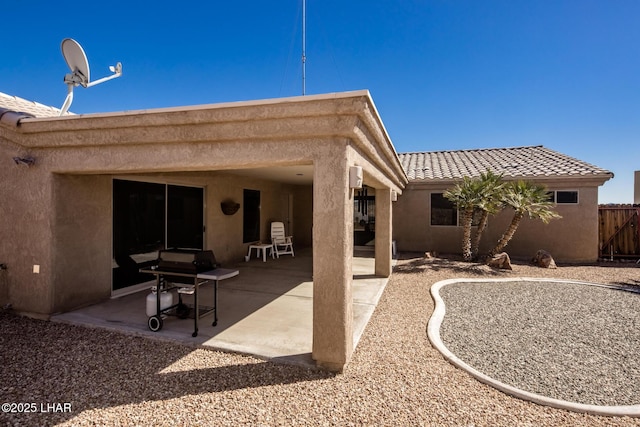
{"points": [[433, 332]]}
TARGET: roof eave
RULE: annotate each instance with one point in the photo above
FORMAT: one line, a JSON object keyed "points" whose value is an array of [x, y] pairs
{"points": [[593, 179]]}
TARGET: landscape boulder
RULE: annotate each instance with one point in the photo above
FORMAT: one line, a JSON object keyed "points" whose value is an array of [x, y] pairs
{"points": [[544, 259], [501, 261]]}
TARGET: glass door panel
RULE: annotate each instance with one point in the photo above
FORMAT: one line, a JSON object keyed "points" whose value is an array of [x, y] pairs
{"points": [[148, 217], [185, 217], [138, 229]]}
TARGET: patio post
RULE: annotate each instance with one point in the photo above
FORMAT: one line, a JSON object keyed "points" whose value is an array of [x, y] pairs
{"points": [[332, 262], [383, 232]]}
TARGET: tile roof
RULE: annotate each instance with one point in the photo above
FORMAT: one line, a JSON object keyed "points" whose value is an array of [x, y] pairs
{"points": [[14, 103], [517, 162]]}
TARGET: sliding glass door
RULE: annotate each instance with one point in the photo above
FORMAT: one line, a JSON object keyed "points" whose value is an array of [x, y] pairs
{"points": [[148, 217], [185, 222]]}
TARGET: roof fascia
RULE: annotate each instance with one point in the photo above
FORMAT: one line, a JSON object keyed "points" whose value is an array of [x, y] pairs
{"points": [[583, 180]]}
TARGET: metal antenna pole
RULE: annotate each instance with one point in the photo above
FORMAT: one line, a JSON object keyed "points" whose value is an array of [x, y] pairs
{"points": [[304, 46]]}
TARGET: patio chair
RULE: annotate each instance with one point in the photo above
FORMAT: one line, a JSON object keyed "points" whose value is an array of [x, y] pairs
{"points": [[282, 244]]}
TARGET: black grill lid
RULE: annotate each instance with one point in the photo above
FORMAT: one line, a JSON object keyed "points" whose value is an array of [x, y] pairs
{"points": [[188, 261]]}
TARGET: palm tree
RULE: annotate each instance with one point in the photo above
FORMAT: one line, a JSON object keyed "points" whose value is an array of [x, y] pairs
{"points": [[489, 203], [525, 198], [466, 196]]}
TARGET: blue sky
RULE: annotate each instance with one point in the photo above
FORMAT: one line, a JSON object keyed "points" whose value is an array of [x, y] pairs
{"points": [[444, 74]]}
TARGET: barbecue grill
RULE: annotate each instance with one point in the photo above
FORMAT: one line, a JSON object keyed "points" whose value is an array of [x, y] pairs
{"points": [[186, 261], [189, 269]]}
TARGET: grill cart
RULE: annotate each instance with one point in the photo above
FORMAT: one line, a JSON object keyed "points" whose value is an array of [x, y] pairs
{"points": [[185, 270]]}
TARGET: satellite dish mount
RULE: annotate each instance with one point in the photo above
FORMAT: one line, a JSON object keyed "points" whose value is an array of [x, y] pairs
{"points": [[79, 65]]}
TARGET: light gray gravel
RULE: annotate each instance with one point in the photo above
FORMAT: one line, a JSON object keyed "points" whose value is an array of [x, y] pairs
{"points": [[395, 378], [572, 342]]}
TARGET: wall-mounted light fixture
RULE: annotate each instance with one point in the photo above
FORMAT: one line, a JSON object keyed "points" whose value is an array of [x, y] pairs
{"points": [[355, 177], [29, 161]]}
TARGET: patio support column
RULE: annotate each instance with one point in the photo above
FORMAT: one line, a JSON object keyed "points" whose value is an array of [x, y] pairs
{"points": [[332, 262], [383, 232]]}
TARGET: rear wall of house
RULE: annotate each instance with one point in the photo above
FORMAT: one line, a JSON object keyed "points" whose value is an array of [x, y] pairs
{"points": [[574, 238], [25, 231], [83, 226]]}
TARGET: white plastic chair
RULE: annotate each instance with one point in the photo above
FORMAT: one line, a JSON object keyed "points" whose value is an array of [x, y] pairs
{"points": [[282, 244]]}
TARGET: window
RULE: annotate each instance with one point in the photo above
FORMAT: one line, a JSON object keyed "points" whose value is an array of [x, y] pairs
{"points": [[251, 216], [443, 212], [564, 197]]}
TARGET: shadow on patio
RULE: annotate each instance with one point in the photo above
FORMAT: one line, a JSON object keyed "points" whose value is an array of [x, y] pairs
{"points": [[265, 311]]}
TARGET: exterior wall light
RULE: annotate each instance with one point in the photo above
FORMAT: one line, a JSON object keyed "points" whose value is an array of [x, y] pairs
{"points": [[355, 177], [29, 161]]}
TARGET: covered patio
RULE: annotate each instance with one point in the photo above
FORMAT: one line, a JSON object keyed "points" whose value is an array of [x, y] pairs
{"points": [[296, 155], [265, 311]]}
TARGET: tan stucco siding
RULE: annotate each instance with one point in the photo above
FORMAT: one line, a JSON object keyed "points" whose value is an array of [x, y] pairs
{"points": [[189, 156], [574, 238], [25, 234], [82, 240], [277, 119]]}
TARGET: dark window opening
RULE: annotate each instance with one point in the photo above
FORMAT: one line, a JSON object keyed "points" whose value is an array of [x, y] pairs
{"points": [[185, 217], [443, 211], [563, 197], [567, 197], [251, 216]]}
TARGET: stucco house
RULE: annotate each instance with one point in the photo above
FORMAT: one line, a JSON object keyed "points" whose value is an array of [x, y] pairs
{"points": [[66, 182], [425, 221]]}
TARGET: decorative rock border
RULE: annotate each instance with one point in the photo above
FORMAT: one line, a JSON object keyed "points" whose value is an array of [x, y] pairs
{"points": [[433, 332]]}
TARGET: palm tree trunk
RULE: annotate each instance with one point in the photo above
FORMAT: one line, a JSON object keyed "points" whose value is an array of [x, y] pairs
{"points": [[506, 237], [467, 218], [475, 243]]}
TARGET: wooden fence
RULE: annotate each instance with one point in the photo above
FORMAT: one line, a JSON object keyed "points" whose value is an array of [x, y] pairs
{"points": [[619, 231]]}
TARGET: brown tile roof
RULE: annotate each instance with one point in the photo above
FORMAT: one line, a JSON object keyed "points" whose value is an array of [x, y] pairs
{"points": [[517, 162], [19, 105]]}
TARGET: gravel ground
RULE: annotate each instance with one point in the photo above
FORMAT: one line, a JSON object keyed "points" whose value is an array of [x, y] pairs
{"points": [[571, 342], [395, 376]]}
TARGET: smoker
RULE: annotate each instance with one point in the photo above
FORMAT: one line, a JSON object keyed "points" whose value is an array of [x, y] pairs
{"points": [[185, 270]]}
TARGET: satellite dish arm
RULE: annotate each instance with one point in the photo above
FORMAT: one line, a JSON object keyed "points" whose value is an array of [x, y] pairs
{"points": [[117, 72], [76, 78], [68, 100]]}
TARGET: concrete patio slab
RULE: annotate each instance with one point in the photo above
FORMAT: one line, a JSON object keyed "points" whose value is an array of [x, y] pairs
{"points": [[265, 311]]}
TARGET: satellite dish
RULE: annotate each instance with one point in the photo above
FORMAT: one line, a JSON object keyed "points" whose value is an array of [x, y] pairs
{"points": [[77, 62], [80, 75]]}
